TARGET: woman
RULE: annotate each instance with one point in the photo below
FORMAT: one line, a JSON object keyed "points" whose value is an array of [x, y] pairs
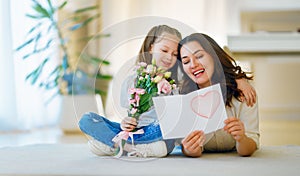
{"points": [[205, 63]]}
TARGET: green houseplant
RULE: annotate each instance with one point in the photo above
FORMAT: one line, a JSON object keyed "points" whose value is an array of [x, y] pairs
{"points": [[75, 72], [68, 68]]}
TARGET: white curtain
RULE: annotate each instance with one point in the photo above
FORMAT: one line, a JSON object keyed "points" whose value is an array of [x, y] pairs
{"points": [[23, 106], [8, 115]]}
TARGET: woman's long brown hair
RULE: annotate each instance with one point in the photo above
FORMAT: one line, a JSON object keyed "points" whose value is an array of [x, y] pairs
{"points": [[226, 70]]}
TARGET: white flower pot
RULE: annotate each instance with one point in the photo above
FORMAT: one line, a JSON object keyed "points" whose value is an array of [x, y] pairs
{"points": [[74, 106]]}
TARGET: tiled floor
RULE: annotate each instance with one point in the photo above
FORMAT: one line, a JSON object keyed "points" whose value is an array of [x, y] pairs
{"points": [[273, 132]]}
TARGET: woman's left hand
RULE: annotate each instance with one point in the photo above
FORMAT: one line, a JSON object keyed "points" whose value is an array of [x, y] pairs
{"points": [[235, 127], [249, 93]]}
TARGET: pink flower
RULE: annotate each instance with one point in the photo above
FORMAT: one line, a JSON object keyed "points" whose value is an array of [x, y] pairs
{"points": [[143, 64], [132, 101], [133, 110], [164, 87]]}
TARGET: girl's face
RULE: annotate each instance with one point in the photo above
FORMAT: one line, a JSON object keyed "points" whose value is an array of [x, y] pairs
{"points": [[197, 63], [165, 51]]}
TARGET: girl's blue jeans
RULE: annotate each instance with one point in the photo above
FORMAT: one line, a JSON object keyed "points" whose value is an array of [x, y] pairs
{"points": [[105, 130]]}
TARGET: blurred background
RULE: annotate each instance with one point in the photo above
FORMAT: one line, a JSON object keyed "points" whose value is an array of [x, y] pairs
{"points": [[45, 45]]}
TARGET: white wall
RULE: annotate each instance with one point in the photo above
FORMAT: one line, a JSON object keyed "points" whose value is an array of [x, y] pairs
{"points": [[218, 18]]}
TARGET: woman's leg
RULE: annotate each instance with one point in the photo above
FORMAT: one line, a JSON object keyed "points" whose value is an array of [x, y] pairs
{"points": [[99, 128]]}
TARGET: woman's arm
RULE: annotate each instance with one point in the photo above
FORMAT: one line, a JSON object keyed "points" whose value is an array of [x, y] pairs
{"points": [[192, 145], [249, 93], [245, 145]]}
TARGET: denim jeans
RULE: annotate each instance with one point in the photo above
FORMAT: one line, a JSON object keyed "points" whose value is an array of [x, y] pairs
{"points": [[104, 130]]}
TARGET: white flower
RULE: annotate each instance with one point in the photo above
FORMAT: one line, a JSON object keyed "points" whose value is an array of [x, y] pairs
{"points": [[167, 75], [157, 79], [151, 69]]}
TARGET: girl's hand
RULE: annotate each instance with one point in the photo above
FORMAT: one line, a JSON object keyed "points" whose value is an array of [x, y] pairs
{"points": [[235, 127], [249, 93], [192, 145], [128, 124]]}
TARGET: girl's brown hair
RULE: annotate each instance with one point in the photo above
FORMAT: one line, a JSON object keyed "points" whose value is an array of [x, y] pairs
{"points": [[155, 35]]}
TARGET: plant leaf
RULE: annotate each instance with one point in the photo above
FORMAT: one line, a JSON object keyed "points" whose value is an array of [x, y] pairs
{"points": [[101, 92], [34, 28], [35, 16], [40, 9], [25, 44], [94, 59], [63, 5], [94, 37], [86, 9], [102, 76], [84, 23], [65, 64], [51, 6], [35, 74]]}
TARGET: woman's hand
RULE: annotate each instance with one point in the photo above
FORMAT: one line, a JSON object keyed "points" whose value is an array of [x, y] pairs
{"points": [[192, 145], [245, 145], [249, 93], [128, 124], [235, 127]]}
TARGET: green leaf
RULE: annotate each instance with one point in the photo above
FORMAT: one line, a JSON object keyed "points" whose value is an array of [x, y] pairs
{"points": [[102, 76], [86, 9], [34, 75], [41, 10], [35, 16], [34, 28], [63, 5], [95, 37], [25, 44], [100, 92], [144, 99], [51, 6], [65, 64], [94, 59], [84, 23]]}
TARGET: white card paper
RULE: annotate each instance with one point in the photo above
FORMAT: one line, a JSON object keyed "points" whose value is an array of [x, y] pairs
{"points": [[179, 115]]}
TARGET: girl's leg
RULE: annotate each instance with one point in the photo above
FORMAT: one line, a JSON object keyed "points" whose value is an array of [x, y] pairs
{"points": [[99, 128], [152, 133]]}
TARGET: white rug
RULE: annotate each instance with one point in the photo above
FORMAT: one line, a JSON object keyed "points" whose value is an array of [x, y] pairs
{"points": [[75, 159]]}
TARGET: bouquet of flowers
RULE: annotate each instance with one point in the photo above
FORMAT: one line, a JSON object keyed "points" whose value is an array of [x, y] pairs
{"points": [[150, 81]]}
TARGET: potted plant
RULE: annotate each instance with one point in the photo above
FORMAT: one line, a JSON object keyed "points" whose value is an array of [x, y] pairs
{"points": [[75, 70]]}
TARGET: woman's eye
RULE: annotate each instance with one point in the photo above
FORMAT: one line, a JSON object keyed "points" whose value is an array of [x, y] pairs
{"points": [[199, 56], [185, 61], [165, 51]]}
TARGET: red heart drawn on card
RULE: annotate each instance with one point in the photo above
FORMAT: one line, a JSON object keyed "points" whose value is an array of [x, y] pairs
{"points": [[210, 100]]}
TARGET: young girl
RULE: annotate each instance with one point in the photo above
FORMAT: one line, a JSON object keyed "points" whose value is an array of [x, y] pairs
{"points": [[205, 63], [161, 44]]}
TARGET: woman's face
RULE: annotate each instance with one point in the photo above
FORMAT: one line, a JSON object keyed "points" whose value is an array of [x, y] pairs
{"points": [[165, 51], [197, 63]]}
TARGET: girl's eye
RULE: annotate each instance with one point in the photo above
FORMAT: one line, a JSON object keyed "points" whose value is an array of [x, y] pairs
{"points": [[165, 51], [175, 54]]}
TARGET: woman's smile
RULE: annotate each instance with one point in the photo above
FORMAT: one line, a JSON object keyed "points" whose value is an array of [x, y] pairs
{"points": [[199, 72]]}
